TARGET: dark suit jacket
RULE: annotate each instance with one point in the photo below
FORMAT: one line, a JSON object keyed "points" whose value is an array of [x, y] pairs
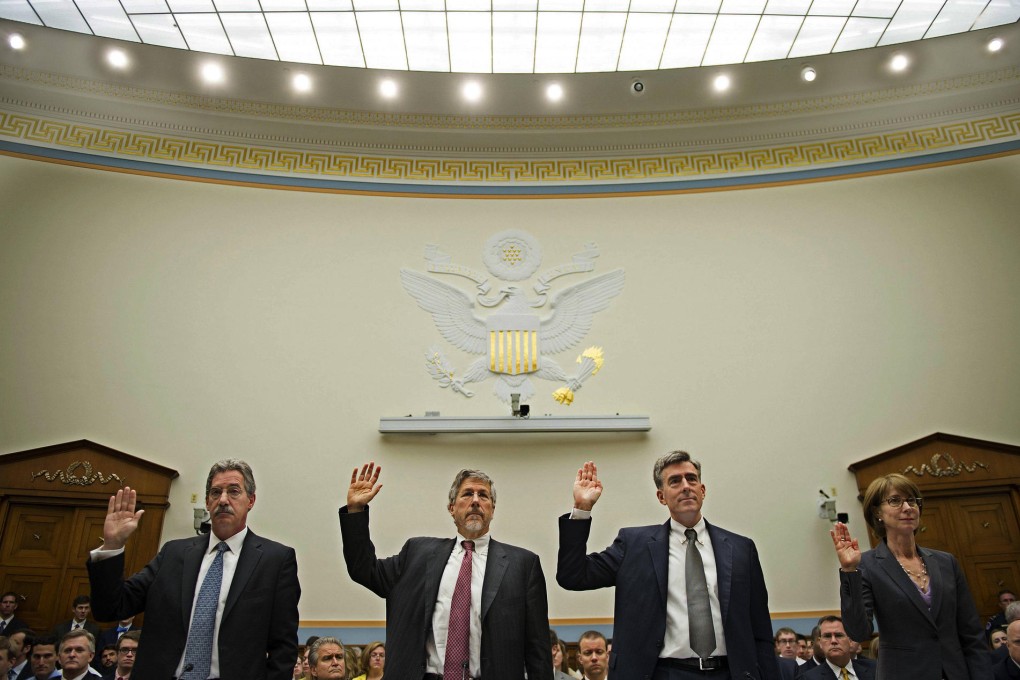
{"points": [[258, 629], [637, 562], [805, 667], [110, 637], [61, 628], [14, 626], [515, 612], [862, 669], [787, 668], [1006, 669], [915, 643]]}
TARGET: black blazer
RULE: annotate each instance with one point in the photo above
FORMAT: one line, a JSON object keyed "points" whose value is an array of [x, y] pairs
{"points": [[61, 629], [863, 670], [947, 641], [637, 563], [14, 626], [258, 629], [515, 612]]}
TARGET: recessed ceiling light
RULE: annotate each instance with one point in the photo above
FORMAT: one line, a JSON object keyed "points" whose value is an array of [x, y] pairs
{"points": [[16, 41], [721, 83], [301, 82], [995, 44], [899, 63], [388, 88], [808, 74], [117, 58], [213, 73], [554, 92], [472, 91]]}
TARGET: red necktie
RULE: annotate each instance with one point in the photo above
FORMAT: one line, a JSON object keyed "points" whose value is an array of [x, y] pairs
{"points": [[458, 648]]}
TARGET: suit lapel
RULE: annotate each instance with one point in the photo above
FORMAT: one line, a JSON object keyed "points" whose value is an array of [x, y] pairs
{"points": [[496, 564], [723, 551], [658, 548], [435, 563], [894, 571], [247, 562], [192, 564]]}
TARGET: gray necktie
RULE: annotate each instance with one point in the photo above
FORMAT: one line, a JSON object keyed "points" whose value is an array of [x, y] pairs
{"points": [[699, 611], [198, 652]]}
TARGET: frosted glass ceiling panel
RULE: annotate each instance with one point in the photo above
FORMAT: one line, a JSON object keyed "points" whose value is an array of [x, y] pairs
{"points": [[517, 36]]}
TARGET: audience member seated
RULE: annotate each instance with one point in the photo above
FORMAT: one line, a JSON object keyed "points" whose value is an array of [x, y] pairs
{"points": [[105, 659], [326, 659], [997, 638], [838, 664], [43, 659], [6, 658], [77, 648], [81, 608], [593, 655], [1012, 614], [1005, 597], [373, 661], [1009, 667], [804, 649], [559, 662], [299, 664], [110, 636], [352, 662], [8, 621], [127, 652], [786, 643], [21, 645]]}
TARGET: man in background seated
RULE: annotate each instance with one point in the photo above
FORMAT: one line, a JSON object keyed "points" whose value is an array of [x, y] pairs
{"points": [[837, 664], [127, 651], [8, 621], [326, 659], [81, 608], [593, 655], [111, 635], [1009, 668], [804, 649], [6, 657], [105, 659], [43, 659], [786, 643], [21, 645], [1005, 597], [77, 648]]}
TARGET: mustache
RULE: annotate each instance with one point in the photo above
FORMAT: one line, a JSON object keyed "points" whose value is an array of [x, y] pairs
{"points": [[224, 510]]}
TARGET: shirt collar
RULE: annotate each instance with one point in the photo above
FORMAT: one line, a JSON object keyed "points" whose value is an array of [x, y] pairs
{"points": [[234, 542], [836, 669], [481, 543], [679, 529]]}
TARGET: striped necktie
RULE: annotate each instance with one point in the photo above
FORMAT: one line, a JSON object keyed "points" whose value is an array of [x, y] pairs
{"points": [[198, 653]]}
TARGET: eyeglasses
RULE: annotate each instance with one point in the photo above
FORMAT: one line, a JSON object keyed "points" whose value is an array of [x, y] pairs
{"points": [[377, 655], [786, 642], [234, 492], [896, 501], [127, 650]]}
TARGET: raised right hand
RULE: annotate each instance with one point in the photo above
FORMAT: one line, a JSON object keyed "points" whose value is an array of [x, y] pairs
{"points": [[121, 518], [587, 487], [363, 487], [847, 549]]}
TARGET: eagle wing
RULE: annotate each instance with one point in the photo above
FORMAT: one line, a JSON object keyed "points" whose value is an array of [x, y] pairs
{"points": [[573, 309], [451, 310]]}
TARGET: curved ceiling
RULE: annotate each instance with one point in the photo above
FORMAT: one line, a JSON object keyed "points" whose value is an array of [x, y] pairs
{"points": [[517, 36]]}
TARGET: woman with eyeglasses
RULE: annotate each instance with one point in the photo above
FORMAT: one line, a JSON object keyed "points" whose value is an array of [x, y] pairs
{"points": [[373, 660], [918, 596]]}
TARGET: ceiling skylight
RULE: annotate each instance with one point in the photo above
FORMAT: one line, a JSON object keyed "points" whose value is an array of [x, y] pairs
{"points": [[517, 36]]}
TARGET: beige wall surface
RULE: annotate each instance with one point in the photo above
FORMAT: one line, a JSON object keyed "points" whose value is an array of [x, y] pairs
{"points": [[778, 334]]}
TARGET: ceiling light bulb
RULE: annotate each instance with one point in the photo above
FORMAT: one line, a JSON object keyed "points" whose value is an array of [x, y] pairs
{"points": [[899, 63], [808, 74], [302, 83], [388, 88], [721, 83], [16, 41], [554, 92], [117, 58], [472, 91], [212, 73], [995, 44]]}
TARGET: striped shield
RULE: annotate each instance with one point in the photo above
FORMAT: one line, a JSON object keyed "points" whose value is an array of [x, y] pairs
{"points": [[513, 343]]}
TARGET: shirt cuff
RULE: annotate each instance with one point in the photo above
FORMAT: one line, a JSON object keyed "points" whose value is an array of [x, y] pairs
{"points": [[98, 555], [576, 513]]}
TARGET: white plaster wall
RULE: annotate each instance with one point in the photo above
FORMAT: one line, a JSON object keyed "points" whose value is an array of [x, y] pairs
{"points": [[778, 334]]}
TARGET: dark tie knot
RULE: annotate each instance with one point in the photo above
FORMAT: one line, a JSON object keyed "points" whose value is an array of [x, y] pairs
{"points": [[468, 545], [691, 535]]}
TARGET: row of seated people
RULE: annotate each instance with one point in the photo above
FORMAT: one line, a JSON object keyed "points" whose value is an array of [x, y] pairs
{"points": [[27, 656]]}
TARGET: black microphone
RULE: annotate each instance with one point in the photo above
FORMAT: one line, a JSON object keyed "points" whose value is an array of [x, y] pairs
{"points": [[464, 671], [189, 667]]}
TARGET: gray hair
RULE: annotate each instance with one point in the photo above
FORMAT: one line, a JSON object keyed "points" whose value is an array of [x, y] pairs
{"points": [[81, 632], [672, 458], [313, 649], [232, 465], [471, 474], [1013, 612]]}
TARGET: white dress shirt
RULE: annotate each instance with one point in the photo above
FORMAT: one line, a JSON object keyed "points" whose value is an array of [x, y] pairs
{"points": [[677, 643], [230, 558], [838, 671], [436, 645]]}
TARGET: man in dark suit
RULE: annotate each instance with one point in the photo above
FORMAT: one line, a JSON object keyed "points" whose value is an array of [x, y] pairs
{"points": [[111, 635], [431, 631], [127, 653], [9, 623], [191, 631], [836, 647], [80, 608], [672, 622], [1009, 668]]}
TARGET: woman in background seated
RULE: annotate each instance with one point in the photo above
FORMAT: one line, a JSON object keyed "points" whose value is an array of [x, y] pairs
{"points": [[919, 597], [997, 637], [373, 660]]}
